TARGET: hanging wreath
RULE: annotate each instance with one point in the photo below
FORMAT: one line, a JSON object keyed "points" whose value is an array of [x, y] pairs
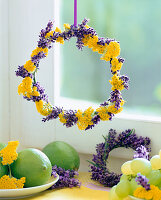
{"points": [[86, 36], [127, 139]]}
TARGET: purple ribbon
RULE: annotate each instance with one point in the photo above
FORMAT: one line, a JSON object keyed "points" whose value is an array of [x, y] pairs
{"points": [[75, 12]]}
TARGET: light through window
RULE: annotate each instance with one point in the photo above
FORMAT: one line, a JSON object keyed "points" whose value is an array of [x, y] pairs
{"points": [[137, 25]]}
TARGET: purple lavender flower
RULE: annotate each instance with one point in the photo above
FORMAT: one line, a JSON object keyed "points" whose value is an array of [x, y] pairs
{"points": [[96, 119], [121, 60], [66, 178], [38, 57], [143, 181], [116, 97], [105, 103], [48, 28], [84, 22], [42, 96], [23, 72], [55, 113], [108, 40], [125, 80], [70, 117], [101, 41], [141, 152]]}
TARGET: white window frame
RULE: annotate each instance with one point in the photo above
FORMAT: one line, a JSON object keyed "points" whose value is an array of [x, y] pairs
{"points": [[85, 141]]}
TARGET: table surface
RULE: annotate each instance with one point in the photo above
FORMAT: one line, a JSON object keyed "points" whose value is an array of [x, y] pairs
{"points": [[89, 190]]}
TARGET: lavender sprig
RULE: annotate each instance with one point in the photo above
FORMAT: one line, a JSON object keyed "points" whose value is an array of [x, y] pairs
{"points": [[143, 181], [23, 72], [66, 178]]}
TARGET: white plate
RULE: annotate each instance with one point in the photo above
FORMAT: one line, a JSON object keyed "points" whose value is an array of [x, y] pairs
{"points": [[25, 192]]}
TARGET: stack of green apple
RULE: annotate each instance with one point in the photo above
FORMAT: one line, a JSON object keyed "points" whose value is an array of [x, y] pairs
{"points": [[127, 185]]}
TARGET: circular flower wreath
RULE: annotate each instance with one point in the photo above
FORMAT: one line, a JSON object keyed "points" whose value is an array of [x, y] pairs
{"points": [[86, 36], [127, 139]]}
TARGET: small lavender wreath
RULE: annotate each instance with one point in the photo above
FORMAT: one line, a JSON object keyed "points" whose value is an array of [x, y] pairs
{"points": [[127, 139]]}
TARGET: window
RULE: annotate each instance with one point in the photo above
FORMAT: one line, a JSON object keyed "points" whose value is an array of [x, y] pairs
{"points": [[83, 77], [129, 23], [136, 24]]}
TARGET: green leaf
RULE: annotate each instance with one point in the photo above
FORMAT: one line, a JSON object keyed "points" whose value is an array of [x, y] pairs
{"points": [[92, 163]]}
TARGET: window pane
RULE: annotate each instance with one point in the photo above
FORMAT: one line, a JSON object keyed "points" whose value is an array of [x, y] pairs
{"points": [[137, 25]]}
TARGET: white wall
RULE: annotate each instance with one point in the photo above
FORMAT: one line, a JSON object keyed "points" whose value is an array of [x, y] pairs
{"points": [[26, 19], [4, 76]]}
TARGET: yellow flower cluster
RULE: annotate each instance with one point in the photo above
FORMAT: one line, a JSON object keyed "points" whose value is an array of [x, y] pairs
{"points": [[114, 110], [29, 66], [103, 113], [43, 108], [153, 194], [26, 88], [104, 110], [61, 118], [112, 51], [91, 42], [67, 26], [38, 50], [58, 30], [115, 65], [84, 118], [117, 83], [11, 183], [49, 34], [59, 39], [109, 51], [9, 154]]}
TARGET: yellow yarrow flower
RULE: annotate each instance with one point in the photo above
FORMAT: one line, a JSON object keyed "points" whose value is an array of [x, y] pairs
{"points": [[114, 110], [9, 154], [43, 108], [85, 40], [57, 30], [49, 34], [101, 49], [112, 51], [84, 118], [59, 39], [154, 193], [38, 49], [11, 183], [61, 118], [86, 26], [115, 65], [92, 42], [29, 66], [103, 113], [35, 92], [25, 87], [117, 83], [66, 26]]}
